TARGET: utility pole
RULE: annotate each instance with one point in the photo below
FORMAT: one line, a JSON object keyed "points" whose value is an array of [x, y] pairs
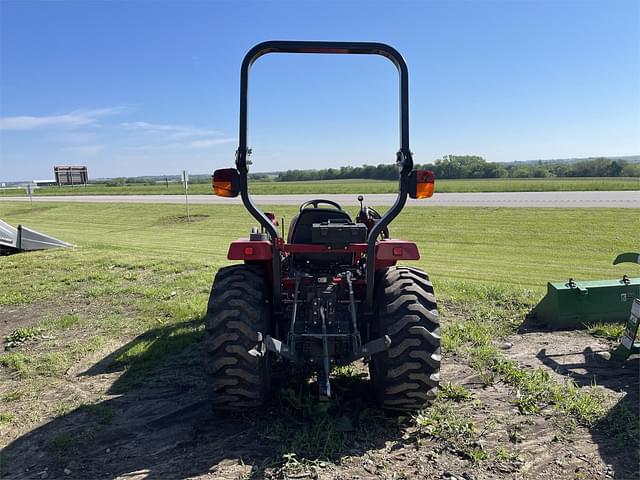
{"points": [[185, 181], [30, 193]]}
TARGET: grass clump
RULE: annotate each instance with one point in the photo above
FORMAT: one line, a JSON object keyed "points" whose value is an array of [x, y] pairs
{"points": [[18, 362], [21, 335], [52, 363], [457, 393], [6, 418], [479, 314], [322, 438], [346, 371], [102, 413], [13, 395], [458, 432], [65, 407], [15, 298], [63, 442], [609, 331], [293, 467], [623, 424], [536, 389], [503, 454], [62, 322], [308, 429]]}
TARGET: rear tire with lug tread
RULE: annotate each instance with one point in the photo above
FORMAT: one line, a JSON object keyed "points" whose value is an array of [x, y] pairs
{"points": [[236, 360], [406, 376]]}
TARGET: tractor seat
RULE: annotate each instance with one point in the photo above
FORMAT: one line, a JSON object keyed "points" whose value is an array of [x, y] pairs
{"points": [[300, 229], [300, 232]]}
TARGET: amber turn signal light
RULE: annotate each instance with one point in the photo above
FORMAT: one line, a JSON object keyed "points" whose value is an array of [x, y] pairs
{"points": [[421, 184], [226, 182]]}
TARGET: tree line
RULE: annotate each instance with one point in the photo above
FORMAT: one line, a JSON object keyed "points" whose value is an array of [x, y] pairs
{"points": [[473, 166], [449, 166]]}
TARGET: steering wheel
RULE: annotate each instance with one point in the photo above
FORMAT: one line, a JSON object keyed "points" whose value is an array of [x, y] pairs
{"points": [[384, 233], [318, 201]]}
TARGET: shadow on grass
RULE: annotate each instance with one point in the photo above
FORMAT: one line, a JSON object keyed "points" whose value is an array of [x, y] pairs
{"points": [[156, 421], [617, 434], [138, 358]]}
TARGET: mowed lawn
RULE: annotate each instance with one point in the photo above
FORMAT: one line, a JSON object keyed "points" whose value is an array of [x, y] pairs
{"points": [[358, 186], [103, 340], [521, 248]]}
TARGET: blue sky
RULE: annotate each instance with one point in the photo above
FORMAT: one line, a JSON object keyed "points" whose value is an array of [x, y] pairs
{"points": [[134, 88]]}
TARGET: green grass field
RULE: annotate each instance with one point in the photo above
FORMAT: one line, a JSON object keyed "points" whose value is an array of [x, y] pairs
{"points": [[510, 247], [359, 186], [132, 256], [131, 296]]}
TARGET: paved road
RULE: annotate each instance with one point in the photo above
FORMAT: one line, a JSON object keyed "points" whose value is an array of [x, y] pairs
{"points": [[625, 199]]}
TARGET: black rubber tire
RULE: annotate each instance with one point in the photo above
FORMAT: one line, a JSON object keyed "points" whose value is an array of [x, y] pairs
{"points": [[236, 360], [406, 376]]}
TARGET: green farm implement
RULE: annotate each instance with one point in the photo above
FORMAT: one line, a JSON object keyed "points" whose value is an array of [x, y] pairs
{"points": [[576, 304]]}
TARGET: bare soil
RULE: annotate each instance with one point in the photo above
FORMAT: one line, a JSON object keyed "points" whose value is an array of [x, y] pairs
{"points": [[19, 316], [13, 317], [166, 429]]}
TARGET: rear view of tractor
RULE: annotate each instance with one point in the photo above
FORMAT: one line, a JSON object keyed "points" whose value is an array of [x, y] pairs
{"points": [[329, 293]]}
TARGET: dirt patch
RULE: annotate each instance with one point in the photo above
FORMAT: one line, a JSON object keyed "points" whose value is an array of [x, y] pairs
{"points": [[77, 302], [585, 360], [165, 429], [578, 356], [182, 219], [13, 317]]}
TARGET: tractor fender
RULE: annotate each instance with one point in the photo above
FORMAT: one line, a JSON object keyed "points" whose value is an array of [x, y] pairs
{"points": [[397, 250], [245, 249]]}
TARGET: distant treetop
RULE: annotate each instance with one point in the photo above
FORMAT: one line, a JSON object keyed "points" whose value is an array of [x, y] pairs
{"points": [[474, 166]]}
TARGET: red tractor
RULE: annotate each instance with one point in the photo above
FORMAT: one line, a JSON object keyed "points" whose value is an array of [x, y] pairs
{"points": [[331, 292]]}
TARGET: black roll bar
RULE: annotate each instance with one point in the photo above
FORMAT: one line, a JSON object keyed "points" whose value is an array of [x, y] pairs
{"points": [[404, 158]]}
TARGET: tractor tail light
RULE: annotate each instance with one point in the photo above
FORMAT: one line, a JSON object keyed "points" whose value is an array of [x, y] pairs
{"points": [[226, 182], [422, 183]]}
